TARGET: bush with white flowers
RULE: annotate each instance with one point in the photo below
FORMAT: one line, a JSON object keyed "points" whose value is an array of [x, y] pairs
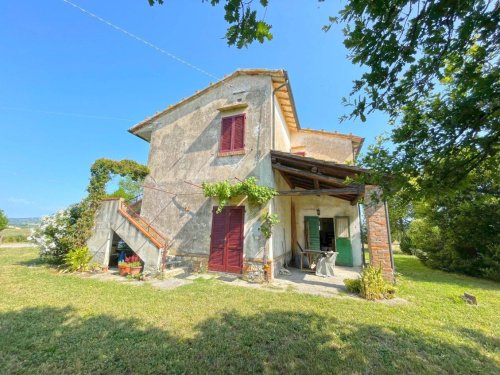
{"points": [[53, 233]]}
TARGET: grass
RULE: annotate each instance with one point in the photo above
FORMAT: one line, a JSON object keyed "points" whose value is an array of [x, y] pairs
{"points": [[57, 323], [12, 235]]}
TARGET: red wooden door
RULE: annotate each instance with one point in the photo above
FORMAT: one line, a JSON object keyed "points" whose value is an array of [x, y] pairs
{"points": [[226, 249]]}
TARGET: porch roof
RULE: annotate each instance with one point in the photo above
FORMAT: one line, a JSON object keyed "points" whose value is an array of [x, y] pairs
{"points": [[317, 177]]}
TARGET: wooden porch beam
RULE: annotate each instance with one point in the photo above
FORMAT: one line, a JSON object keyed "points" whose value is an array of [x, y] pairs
{"points": [[312, 176], [339, 191], [288, 181]]}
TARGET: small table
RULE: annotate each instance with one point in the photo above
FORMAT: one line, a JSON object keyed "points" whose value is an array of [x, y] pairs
{"points": [[311, 255]]}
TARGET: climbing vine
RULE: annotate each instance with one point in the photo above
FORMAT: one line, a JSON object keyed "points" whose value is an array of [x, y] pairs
{"points": [[224, 191], [101, 173], [268, 221]]}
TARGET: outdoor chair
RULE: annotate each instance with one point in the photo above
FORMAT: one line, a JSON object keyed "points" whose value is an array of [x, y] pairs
{"points": [[326, 265]]}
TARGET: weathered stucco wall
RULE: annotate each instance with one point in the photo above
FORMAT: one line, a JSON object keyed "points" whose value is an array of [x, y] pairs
{"points": [[281, 241], [282, 134], [329, 208], [324, 146], [184, 148]]}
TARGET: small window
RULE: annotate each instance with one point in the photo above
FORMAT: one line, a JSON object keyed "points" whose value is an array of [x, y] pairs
{"points": [[232, 137]]}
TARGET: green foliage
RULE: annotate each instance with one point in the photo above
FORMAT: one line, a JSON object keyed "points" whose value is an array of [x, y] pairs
{"points": [[244, 27], [405, 244], [3, 220], [128, 188], [70, 229], [100, 174], [461, 232], [224, 191], [370, 284], [373, 286], [433, 67], [268, 221], [353, 285], [77, 259]]}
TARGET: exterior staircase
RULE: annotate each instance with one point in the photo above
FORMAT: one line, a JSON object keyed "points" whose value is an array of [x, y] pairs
{"points": [[129, 213], [116, 216]]}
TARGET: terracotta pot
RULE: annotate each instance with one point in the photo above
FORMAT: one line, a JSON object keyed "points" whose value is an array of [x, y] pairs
{"points": [[104, 268], [135, 270], [124, 270]]}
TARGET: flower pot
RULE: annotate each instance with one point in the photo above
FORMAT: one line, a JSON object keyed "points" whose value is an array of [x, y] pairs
{"points": [[124, 270], [104, 268], [135, 270]]}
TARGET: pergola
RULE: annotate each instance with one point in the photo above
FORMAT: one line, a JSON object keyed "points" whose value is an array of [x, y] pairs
{"points": [[318, 177]]}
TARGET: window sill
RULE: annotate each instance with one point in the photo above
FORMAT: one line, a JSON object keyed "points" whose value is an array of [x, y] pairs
{"points": [[231, 153]]}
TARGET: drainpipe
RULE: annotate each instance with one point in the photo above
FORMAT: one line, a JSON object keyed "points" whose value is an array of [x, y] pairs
{"points": [[361, 234], [389, 238], [273, 111]]}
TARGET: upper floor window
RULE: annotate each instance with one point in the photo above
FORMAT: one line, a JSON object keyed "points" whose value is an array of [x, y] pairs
{"points": [[232, 136]]}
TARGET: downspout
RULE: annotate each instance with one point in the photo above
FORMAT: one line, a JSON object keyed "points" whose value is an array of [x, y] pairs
{"points": [[361, 234], [389, 237], [273, 137]]}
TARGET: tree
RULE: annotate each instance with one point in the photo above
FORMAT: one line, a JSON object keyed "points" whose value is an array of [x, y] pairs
{"points": [[128, 188], [3, 220], [431, 65], [244, 27], [461, 232]]}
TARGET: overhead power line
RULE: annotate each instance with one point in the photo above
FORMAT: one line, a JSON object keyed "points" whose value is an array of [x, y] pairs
{"points": [[142, 40], [97, 117]]}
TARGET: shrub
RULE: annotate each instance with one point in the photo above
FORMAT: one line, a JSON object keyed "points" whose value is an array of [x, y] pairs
{"points": [[353, 285], [77, 259], [406, 245], [55, 233], [371, 284]]}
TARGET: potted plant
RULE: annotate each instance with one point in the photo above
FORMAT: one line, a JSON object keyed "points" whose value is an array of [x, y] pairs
{"points": [[135, 264], [124, 268]]}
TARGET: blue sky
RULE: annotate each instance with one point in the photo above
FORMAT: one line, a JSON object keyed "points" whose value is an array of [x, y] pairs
{"points": [[71, 86]]}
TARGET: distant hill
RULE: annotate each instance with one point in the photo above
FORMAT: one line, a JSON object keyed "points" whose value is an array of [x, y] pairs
{"points": [[24, 222]]}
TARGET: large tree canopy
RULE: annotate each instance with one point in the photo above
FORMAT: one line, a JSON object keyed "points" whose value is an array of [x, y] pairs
{"points": [[431, 65]]}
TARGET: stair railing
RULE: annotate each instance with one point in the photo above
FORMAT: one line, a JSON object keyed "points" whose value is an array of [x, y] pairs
{"points": [[143, 225]]}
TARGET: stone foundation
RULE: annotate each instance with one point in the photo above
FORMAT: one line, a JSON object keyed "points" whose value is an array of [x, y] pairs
{"points": [[253, 271]]}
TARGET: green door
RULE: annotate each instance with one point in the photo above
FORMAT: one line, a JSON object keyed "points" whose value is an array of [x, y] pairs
{"points": [[311, 227], [343, 241]]}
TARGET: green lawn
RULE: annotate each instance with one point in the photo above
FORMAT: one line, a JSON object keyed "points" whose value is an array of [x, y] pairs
{"points": [[11, 235], [57, 323]]}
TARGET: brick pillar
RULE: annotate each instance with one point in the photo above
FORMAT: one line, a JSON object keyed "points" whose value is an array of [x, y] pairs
{"points": [[378, 232]]}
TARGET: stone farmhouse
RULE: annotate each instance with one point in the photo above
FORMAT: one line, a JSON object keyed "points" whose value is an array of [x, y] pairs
{"points": [[244, 125]]}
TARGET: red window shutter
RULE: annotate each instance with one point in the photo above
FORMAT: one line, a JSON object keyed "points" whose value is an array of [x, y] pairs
{"points": [[239, 133], [226, 134]]}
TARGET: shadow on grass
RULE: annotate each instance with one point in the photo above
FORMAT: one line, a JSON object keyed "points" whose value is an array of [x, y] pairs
{"points": [[50, 340], [40, 262], [413, 269]]}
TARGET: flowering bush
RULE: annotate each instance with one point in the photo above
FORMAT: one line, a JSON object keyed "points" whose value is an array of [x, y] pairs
{"points": [[133, 261], [53, 235]]}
